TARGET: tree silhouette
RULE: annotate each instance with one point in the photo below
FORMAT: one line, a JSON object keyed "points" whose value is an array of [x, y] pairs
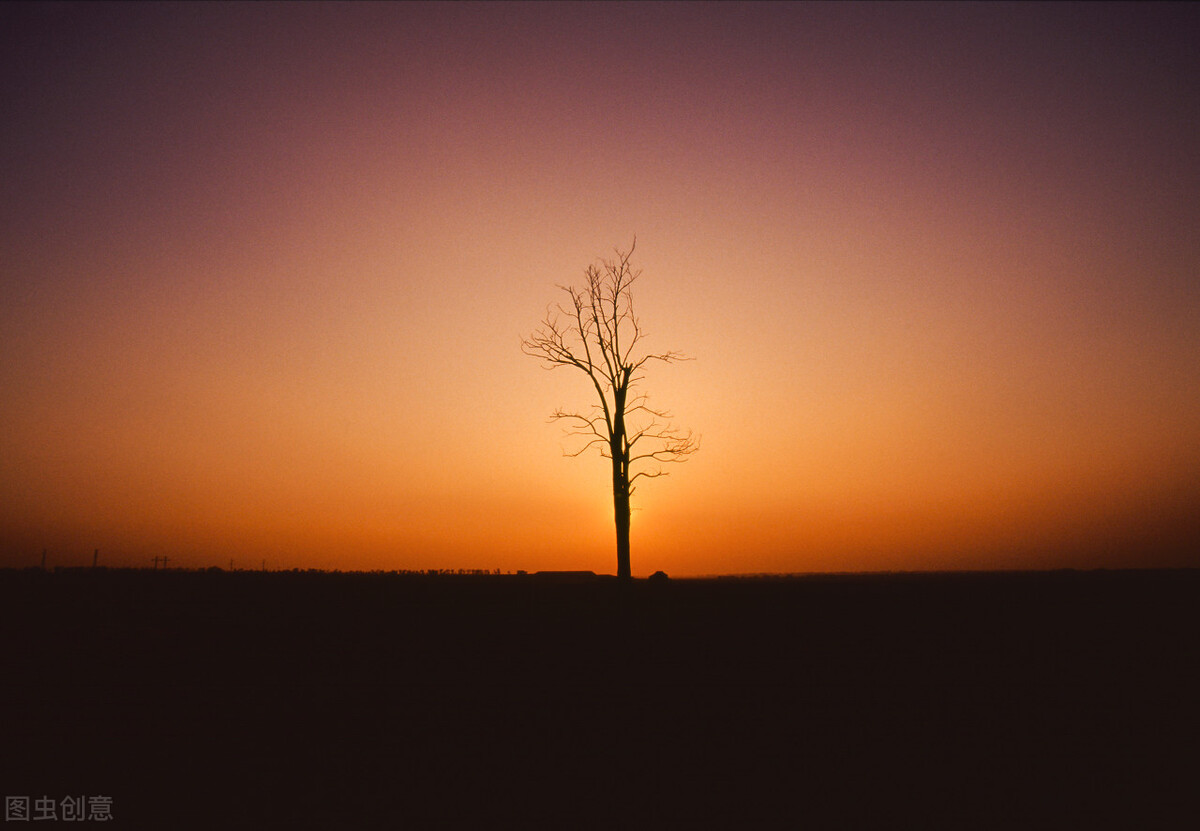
{"points": [[599, 334]]}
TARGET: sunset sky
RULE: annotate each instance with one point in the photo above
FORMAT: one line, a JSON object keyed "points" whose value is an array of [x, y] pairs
{"points": [[265, 270]]}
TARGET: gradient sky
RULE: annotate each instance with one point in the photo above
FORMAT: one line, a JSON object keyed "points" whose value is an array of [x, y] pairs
{"points": [[265, 269]]}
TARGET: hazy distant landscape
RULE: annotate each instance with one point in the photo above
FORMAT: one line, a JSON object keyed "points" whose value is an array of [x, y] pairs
{"points": [[250, 699]]}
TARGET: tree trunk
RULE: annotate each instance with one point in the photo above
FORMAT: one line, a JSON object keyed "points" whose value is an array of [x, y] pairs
{"points": [[619, 450], [621, 510]]}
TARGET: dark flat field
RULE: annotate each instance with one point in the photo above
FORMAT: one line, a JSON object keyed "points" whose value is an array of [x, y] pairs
{"points": [[286, 700]]}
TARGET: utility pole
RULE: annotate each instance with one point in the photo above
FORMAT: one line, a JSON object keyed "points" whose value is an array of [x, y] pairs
{"points": [[95, 557], [156, 562], [164, 563]]}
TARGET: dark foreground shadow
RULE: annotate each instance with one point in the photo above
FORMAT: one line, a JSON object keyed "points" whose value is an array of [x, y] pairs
{"points": [[246, 700]]}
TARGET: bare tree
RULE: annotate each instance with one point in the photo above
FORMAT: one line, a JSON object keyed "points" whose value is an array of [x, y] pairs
{"points": [[598, 333]]}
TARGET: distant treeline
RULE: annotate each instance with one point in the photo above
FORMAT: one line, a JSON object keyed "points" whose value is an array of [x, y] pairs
{"points": [[429, 572]]}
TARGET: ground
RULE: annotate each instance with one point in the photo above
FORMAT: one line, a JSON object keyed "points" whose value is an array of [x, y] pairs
{"points": [[288, 700]]}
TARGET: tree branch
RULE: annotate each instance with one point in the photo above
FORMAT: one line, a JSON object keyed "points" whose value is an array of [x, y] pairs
{"points": [[599, 334]]}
